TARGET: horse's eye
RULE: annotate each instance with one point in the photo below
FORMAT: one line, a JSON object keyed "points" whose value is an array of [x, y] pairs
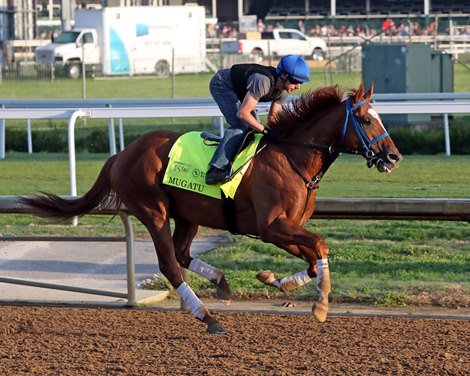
{"points": [[367, 122]]}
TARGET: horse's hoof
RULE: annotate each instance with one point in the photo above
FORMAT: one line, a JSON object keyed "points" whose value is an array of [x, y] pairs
{"points": [[267, 277], [216, 328], [213, 326], [320, 311], [224, 297], [223, 292], [226, 302]]}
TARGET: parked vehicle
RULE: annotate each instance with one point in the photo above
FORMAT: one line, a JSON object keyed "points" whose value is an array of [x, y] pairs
{"points": [[281, 42], [131, 40]]}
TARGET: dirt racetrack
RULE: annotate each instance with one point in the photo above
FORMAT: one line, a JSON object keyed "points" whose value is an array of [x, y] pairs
{"points": [[47, 340]]}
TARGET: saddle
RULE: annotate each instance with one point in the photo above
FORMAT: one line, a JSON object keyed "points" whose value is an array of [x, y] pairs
{"points": [[188, 160], [215, 139]]}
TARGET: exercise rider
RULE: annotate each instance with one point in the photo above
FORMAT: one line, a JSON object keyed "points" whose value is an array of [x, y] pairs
{"points": [[249, 84]]}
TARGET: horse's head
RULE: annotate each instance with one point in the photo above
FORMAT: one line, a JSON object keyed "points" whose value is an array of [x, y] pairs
{"points": [[364, 131]]}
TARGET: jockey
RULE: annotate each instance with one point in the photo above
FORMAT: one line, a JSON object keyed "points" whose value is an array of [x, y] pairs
{"points": [[249, 84]]}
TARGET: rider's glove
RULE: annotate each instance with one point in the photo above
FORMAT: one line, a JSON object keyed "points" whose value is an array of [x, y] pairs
{"points": [[272, 135]]}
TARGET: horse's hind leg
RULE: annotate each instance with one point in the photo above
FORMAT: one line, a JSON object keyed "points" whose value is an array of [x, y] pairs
{"points": [[183, 236], [157, 222]]}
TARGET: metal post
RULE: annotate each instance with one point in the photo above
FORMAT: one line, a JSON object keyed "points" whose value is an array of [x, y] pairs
{"points": [[221, 126], [269, 53], [83, 71], [446, 134], [426, 7], [121, 135], [221, 53], [240, 10], [30, 137], [131, 297], [333, 8], [172, 72], [112, 136], [214, 8], [2, 136], [72, 166]]}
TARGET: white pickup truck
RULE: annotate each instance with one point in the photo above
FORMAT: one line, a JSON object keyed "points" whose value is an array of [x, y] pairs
{"points": [[281, 42]]}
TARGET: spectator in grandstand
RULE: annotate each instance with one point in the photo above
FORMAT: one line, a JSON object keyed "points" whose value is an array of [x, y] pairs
{"points": [[404, 30], [432, 29], [389, 27], [250, 84], [269, 27], [416, 29], [359, 30], [211, 31]]}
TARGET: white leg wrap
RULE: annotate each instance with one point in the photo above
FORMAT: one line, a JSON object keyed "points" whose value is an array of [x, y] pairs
{"points": [[323, 277], [205, 270], [293, 281], [192, 301]]}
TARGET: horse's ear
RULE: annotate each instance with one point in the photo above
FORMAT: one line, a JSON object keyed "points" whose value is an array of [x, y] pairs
{"points": [[359, 93], [368, 95]]}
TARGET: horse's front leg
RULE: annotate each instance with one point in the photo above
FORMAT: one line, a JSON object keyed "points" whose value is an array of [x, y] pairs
{"points": [[183, 236], [310, 248]]}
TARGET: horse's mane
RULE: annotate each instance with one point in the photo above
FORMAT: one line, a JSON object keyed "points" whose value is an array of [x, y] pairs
{"points": [[309, 104]]}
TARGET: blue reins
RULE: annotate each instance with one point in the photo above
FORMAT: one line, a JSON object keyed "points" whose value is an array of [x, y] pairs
{"points": [[361, 135]]}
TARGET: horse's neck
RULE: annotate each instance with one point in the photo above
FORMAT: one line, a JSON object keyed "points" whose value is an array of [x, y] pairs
{"points": [[325, 130]]}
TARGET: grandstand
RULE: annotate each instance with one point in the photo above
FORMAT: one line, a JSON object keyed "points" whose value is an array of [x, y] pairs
{"points": [[365, 8], [290, 12], [369, 12]]}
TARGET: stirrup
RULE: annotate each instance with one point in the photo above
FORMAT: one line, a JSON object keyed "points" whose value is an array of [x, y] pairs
{"points": [[210, 137]]}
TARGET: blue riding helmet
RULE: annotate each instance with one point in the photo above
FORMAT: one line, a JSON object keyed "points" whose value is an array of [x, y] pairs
{"points": [[295, 67]]}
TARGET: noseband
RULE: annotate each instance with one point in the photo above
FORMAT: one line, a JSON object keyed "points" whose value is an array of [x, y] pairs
{"points": [[367, 152]]}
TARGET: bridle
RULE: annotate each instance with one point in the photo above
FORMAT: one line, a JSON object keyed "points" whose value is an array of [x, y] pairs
{"points": [[334, 151], [367, 152], [366, 144]]}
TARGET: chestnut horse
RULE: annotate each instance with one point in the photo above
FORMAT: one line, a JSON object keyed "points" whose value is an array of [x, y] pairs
{"points": [[275, 198]]}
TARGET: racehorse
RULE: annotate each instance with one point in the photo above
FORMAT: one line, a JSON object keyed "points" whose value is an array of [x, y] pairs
{"points": [[275, 198]]}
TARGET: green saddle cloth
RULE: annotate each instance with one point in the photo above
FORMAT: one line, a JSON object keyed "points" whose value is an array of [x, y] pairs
{"points": [[189, 161]]}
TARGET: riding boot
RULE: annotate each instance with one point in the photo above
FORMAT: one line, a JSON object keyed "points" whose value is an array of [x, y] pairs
{"points": [[221, 162]]}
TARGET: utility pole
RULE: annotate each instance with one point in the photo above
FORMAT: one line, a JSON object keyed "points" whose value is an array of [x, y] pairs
{"points": [[67, 9]]}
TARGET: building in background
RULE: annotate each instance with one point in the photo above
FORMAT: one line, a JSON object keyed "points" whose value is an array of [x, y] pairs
{"points": [[17, 22], [17, 19]]}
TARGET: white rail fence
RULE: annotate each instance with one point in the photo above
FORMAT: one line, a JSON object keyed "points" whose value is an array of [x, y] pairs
{"points": [[183, 108], [10, 205], [344, 208]]}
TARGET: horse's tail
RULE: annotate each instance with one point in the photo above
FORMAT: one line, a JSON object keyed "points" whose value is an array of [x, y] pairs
{"points": [[56, 207]]}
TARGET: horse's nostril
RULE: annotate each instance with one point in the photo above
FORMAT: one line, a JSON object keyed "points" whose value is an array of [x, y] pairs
{"points": [[395, 158]]}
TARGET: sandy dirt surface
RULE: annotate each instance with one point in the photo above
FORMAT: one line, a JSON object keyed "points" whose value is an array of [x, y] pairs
{"points": [[46, 340]]}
